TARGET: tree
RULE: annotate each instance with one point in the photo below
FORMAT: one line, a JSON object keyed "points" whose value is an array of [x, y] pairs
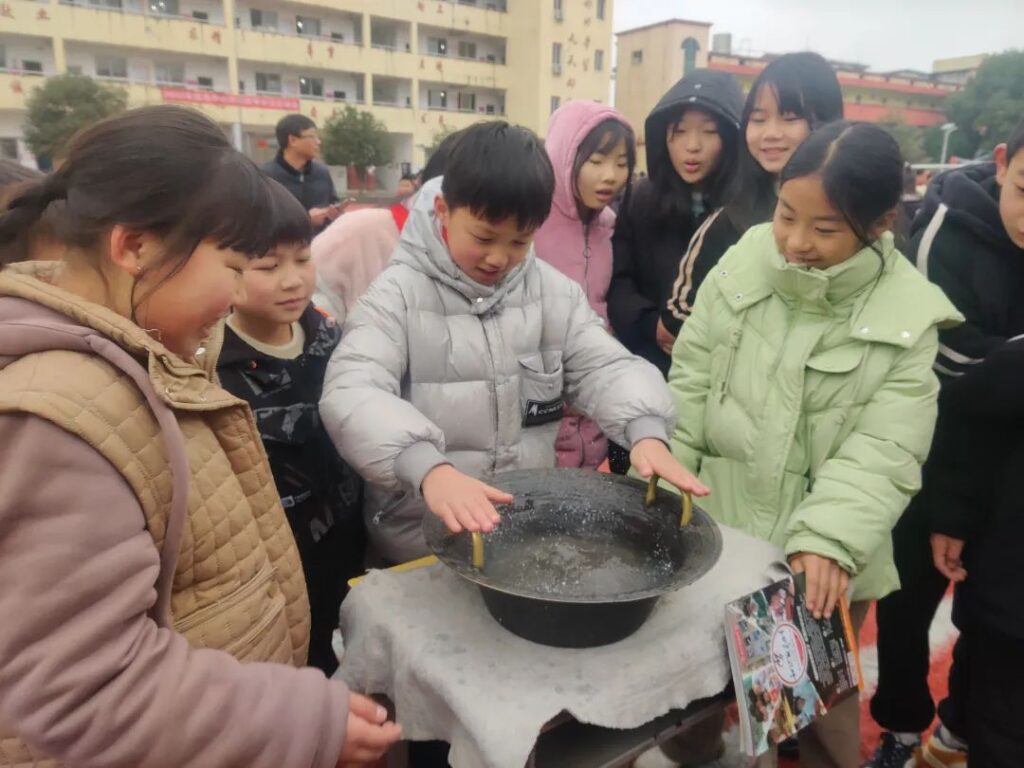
{"points": [[64, 105], [910, 138], [990, 105], [356, 138], [439, 136]]}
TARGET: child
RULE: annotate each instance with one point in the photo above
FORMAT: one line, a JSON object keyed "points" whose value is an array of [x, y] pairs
{"points": [[273, 354], [803, 383], [593, 152], [968, 240], [692, 144], [791, 97], [456, 362], [153, 605]]}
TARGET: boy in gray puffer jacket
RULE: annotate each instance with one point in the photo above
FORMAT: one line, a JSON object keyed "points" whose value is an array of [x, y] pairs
{"points": [[459, 360]]}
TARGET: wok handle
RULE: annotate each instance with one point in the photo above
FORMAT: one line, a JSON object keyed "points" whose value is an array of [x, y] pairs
{"points": [[478, 550], [652, 494]]}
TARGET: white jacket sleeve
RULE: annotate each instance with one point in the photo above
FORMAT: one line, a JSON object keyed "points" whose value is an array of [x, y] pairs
{"points": [[623, 393], [385, 438]]}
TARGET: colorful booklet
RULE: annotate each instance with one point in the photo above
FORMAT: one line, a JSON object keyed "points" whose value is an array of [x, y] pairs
{"points": [[788, 667]]}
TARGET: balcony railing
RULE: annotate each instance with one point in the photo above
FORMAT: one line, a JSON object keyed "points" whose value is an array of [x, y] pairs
{"points": [[144, 11]]}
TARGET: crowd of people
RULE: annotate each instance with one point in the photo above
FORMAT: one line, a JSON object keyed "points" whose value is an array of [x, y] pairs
{"points": [[222, 395]]}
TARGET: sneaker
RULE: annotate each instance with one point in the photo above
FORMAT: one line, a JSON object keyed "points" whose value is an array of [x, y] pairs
{"points": [[893, 753], [938, 754]]}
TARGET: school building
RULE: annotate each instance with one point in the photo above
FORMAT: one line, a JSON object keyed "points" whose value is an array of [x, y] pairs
{"points": [[420, 66], [651, 58]]}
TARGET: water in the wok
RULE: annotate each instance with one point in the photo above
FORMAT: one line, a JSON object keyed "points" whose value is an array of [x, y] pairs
{"points": [[574, 555]]}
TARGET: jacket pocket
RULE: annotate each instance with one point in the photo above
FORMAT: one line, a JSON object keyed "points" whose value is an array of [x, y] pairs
{"points": [[723, 358], [833, 378], [541, 381], [242, 621]]}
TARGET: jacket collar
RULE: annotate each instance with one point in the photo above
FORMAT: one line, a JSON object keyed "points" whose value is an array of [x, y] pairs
{"points": [[289, 168], [869, 289], [423, 248], [181, 383]]}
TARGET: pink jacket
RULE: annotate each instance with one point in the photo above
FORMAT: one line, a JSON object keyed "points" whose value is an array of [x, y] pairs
{"points": [[581, 253], [349, 255]]}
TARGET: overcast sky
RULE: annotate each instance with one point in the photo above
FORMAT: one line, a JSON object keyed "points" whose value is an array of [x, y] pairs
{"points": [[885, 34]]}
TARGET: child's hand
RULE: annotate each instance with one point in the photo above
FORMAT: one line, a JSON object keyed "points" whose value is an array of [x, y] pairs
{"points": [[652, 457], [368, 734], [946, 555], [462, 502], [664, 338], [826, 582]]}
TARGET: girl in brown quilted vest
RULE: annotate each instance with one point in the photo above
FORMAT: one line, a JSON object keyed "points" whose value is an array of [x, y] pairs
{"points": [[152, 607]]}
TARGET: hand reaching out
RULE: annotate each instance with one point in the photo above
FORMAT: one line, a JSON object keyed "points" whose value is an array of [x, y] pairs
{"points": [[462, 502]]}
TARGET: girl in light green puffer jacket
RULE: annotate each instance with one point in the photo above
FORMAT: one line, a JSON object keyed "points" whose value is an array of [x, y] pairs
{"points": [[803, 386]]}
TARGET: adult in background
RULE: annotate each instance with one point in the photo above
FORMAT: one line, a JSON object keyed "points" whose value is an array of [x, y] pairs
{"points": [[295, 167]]}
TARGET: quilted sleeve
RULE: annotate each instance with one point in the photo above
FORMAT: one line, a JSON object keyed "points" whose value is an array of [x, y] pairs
{"points": [[383, 437], [861, 491], [85, 676], [689, 380]]}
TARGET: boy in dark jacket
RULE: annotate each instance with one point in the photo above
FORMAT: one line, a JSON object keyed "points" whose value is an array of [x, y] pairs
{"points": [[969, 240], [274, 354]]}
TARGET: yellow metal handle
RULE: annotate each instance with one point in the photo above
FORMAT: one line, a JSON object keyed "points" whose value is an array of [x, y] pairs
{"points": [[652, 495], [478, 550], [412, 565]]}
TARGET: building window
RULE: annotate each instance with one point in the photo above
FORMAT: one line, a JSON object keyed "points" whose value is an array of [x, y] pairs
{"points": [[114, 4], [559, 10], [164, 7], [437, 99], [311, 86], [599, 61], [690, 48], [169, 72], [308, 26], [467, 50], [202, 16], [3, 57], [204, 83], [32, 66], [437, 46], [9, 149], [556, 58], [638, 57], [556, 102], [467, 102], [112, 66], [268, 83], [600, 9], [262, 19]]}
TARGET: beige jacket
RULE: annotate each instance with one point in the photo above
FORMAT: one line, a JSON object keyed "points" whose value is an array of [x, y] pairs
{"points": [[142, 546]]}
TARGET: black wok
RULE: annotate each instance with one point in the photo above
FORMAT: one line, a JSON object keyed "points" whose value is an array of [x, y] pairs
{"points": [[578, 559]]}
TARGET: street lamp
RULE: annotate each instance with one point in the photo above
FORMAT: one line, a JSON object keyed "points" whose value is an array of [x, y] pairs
{"points": [[947, 130]]}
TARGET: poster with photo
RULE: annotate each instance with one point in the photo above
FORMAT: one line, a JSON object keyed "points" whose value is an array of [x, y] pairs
{"points": [[788, 667]]}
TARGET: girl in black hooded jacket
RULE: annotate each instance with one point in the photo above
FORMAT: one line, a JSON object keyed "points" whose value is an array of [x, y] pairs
{"points": [[692, 140]]}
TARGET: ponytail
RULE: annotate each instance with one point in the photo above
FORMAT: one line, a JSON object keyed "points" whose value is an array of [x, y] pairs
{"points": [[23, 211]]}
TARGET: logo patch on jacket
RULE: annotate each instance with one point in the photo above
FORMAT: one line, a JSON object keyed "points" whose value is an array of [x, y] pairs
{"points": [[538, 412]]}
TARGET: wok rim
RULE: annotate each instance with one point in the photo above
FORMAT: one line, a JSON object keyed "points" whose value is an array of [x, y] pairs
{"points": [[435, 533]]}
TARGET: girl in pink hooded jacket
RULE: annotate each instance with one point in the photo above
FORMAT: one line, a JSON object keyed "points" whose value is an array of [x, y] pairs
{"points": [[593, 151]]}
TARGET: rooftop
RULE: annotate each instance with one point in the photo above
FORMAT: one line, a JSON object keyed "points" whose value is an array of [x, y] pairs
{"points": [[664, 23]]}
